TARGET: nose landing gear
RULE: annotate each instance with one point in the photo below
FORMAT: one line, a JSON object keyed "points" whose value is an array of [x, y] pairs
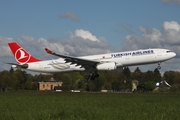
{"points": [[159, 66]]}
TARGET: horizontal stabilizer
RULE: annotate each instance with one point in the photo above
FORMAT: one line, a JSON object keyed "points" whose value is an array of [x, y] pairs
{"points": [[24, 66]]}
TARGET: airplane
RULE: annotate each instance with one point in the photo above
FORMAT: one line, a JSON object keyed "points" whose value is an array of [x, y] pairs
{"points": [[91, 64]]}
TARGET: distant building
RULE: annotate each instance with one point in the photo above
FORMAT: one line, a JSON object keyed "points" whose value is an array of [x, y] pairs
{"points": [[50, 85]]}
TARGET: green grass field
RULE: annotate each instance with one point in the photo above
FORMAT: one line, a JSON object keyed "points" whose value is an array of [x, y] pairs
{"points": [[89, 106]]}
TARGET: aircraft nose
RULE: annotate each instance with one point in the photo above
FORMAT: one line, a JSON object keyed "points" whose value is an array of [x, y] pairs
{"points": [[173, 54]]}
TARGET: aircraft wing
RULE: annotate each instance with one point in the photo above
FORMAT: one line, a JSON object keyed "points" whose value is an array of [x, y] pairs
{"points": [[74, 60]]}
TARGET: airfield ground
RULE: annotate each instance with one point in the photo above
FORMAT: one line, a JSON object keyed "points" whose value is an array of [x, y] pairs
{"points": [[35, 105]]}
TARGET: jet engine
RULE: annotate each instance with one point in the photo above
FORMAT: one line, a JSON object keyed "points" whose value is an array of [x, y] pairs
{"points": [[106, 66]]}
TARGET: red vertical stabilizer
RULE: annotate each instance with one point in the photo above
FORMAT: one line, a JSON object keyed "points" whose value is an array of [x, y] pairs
{"points": [[20, 54]]}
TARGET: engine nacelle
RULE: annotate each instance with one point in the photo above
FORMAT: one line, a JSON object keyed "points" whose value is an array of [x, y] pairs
{"points": [[106, 66]]}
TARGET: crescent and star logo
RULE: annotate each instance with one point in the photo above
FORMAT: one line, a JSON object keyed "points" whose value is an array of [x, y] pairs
{"points": [[22, 56]]}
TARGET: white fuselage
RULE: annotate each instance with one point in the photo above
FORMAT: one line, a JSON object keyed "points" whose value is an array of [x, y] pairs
{"points": [[120, 59]]}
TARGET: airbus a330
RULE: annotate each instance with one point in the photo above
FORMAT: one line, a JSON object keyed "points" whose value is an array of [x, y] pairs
{"points": [[92, 64]]}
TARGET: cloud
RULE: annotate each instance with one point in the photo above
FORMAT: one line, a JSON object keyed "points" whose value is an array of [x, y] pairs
{"points": [[70, 15], [171, 33], [84, 35], [173, 25], [5, 51], [167, 37], [176, 2], [80, 43]]}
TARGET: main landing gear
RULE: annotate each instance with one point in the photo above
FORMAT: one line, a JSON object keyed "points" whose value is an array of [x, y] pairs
{"points": [[159, 66], [92, 76]]}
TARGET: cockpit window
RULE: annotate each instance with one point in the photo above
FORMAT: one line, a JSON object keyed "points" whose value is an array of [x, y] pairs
{"points": [[168, 51]]}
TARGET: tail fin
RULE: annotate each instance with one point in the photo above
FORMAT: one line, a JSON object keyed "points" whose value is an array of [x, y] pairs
{"points": [[20, 54]]}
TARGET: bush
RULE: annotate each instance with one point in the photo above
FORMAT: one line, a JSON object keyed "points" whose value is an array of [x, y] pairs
{"points": [[149, 86], [174, 88], [65, 88]]}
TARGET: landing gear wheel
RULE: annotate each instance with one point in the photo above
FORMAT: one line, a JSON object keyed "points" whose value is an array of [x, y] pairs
{"points": [[92, 74], [92, 77], [96, 75], [159, 67]]}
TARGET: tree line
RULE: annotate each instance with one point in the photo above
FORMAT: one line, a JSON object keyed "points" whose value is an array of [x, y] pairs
{"points": [[114, 81]]}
